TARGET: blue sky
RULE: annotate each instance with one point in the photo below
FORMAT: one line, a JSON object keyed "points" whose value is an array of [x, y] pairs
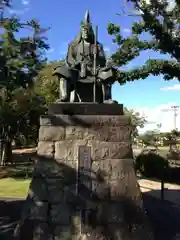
{"points": [[64, 17]]}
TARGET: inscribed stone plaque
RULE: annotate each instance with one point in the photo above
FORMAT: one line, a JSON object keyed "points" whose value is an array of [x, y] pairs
{"points": [[84, 166], [84, 157]]}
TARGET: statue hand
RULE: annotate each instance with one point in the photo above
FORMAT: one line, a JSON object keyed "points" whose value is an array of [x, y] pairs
{"points": [[75, 64]]}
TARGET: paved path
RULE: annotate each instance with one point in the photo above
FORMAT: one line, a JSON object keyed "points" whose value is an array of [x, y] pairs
{"points": [[153, 188]]}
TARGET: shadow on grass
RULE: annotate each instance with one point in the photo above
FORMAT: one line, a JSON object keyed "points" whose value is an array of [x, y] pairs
{"points": [[17, 172], [21, 167]]}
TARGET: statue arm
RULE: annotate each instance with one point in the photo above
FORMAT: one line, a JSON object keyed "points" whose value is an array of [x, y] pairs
{"points": [[70, 58], [101, 56]]}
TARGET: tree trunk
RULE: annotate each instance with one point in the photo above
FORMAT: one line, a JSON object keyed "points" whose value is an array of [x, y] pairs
{"points": [[1, 152], [7, 153]]}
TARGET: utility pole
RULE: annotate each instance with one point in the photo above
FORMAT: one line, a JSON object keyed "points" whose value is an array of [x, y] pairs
{"points": [[175, 110]]}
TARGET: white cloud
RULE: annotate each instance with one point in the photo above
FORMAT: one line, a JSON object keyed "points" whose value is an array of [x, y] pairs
{"points": [[175, 87], [18, 11], [25, 2], [171, 4], [127, 30], [160, 114]]}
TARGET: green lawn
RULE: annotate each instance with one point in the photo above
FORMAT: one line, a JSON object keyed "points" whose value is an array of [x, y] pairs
{"points": [[10, 187]]}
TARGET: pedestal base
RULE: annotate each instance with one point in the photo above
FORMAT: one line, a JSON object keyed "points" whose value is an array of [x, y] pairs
{"points": [[84, 185], [85, 108]]}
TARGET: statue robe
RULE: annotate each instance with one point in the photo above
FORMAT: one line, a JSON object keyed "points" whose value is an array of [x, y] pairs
{"points": [[77, 53]]}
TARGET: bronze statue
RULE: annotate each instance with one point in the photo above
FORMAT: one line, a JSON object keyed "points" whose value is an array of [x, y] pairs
{"points": [[85, 77]]}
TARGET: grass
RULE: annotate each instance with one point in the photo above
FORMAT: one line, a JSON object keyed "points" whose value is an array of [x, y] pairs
{"points": [[16, 171], [10, 187]]}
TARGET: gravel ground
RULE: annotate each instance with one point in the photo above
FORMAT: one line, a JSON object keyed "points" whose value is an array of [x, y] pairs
{"points": [[164, 218]]}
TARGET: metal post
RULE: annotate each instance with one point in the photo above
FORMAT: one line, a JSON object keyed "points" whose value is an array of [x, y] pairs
{"points": [[95, 62], [162, 189], [162, 184]]}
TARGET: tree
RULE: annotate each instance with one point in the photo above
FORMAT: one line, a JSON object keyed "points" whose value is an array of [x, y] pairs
{"points": [[150, 138], [137, 120], [47, 85], [20, 61], [162, 22]]}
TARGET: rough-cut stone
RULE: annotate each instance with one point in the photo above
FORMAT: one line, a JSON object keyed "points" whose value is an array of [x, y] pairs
{"points": [[68, 149], [100, 190], [84, 185], [41, 231], [111, 134], [62, 232], [85, 121], [47, 133], [35, 193], [60, 214], [39, 210], [110, 150], [75, 133], [45, 149], [113, 169]]}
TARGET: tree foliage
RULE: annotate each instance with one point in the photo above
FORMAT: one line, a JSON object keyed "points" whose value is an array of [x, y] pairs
{"points": [[21, 58], [150, 138], [137, 120], [47, 85], [162, 22]]}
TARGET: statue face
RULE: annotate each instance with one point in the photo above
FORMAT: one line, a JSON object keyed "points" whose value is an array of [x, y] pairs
{"points": [[85, 33]]}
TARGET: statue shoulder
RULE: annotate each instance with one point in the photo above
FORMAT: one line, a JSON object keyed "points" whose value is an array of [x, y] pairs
{"points": [[72, 47], [100, 46]]}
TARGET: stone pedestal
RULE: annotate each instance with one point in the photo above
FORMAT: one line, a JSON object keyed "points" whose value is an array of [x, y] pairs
{"points": [[84, 185]]}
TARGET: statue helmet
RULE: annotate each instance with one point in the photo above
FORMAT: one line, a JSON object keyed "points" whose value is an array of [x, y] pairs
{"points": [[86, 22]]}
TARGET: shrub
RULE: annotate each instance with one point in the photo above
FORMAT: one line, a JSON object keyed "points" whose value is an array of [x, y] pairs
{"points": [[151, 164]]}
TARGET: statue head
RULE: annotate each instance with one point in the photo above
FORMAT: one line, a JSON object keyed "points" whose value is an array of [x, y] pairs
{"points": [[86, 31], [86, 28]]}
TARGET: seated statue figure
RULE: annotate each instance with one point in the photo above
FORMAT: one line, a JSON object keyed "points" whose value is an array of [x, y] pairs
{"points": [[85, 77]]}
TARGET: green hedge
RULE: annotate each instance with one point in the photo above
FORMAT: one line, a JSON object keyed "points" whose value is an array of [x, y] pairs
{"points": [[151, 164]]}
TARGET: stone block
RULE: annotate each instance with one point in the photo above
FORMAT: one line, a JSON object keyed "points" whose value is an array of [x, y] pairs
{"points": [[100, 190], [55, 190], [68, 149], [45, 149], [75, 133], [48, 168], [38, 210], [126, 187], [60, 214], [112, 134], [110, 150], [85, 121], [76, 223], [114, 213], [62, 232], [105, 133], [51, 133], [117, 189], [85, 109], [112, 168], [41, 231], [38, 189]]}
